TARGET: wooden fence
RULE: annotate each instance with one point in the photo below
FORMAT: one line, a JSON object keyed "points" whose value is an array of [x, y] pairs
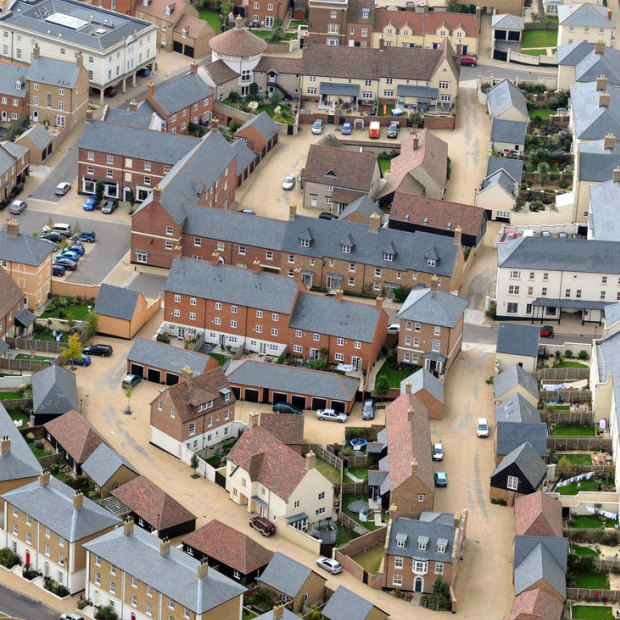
{"points": [[569, 418], [607, 536], [587, 594], [29, 364], [16, 403], [354, 488], [552, 375], [562, 444], [48, 346], [575, 470], [566, 396], [324, 455], [607, 565]]}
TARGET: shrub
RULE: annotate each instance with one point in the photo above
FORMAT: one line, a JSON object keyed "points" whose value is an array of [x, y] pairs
{"points": [[440, 598], [492, 311], [106, 613], [29, 573], [234, 125], [55, 588], [163, 337], [583, 354], [39, 445], [400, 294], [563, 184], [8, 559], [568, 353], [83, 603]]}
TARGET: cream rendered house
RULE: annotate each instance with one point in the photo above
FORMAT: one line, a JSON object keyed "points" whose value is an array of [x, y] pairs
{"points": [[585, 22]]}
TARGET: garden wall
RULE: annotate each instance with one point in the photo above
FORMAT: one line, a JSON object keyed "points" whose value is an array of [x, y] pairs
{"points": [[15, 381], [16, 403], [300, 538], [36, 345], [359, 545], [73, 289], [575, 347], [554, 472], [585, 594], [526, 59], [51, 459], [562, 444], [224, 113], [578, 502], [569, 418], [551, 375]]}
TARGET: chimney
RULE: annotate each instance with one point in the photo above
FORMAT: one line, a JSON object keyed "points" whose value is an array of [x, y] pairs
{"points": [[203, 570], [414, 468], [5, 445], [254, 419], [89, 114], [458, 235], [78, 500], [297, 274], [44, 477], [610, 14], [457, 521], [393, 510], [379, 303], [164, 547], [79, 59], [409, 413], [12, 228], [193, 67], [381, 43], [215, 123], [157, 193], [187, 375], [434, 283], [35, 51], [127, 527], [133, 106], [610, 141], [215, 259], [416, 142], [616, 175], [604, 99], [408, 387], [256, 266], [339, 294], [150, 89], [292, 210], [599, 48], [375, 222], [601, 82], [278, 612], [310, 460]]}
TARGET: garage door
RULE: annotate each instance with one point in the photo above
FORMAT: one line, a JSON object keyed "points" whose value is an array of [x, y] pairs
{"points": [[299, 401], [237, 393], [153, 375], [500, 55], [171, 379], [177, 46], [189, 51], [251, 395], [338, 406], [278, 397], [136, 369], [319, 403], [500, 35], [514, 35]]}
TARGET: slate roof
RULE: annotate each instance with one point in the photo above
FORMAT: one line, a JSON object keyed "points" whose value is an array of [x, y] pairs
{"points": [[536, 605], [75, 435], [167, 357], [527, 460], [502, 178], [346, 605], [288, 428], [232, 285], [103, 463], [539, 564], [20, 462], [7, 159], [328, 315], [512, 377], [516, 409], [219, 72], [142, 117], [597, 163], [174, 575], [154, 505], [433, 530], [603, 220], [282, 235], [268, 460], [514, 167], [507, 21], [286, 615], [422, 92], [17, 150], [11, 295], [263, 124], [557, 546], [116, 302], [538, 514], [504, 96], [365, 206], [433, 307], [424, 380], [512, 435], [54, 391], [612, 314], [52, 506], [286, 575], [555, 254], [515, 339], [53, 72], [280, 378], [593, 65], [24, 249], [512, 132], [572, 53], [584, 15], [179, 92], [225, 544], [9, 75], [38, 135], [609, 363], [245, 155], [593, 121]]}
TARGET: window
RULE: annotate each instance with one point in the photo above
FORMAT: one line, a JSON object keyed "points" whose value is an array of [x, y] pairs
{"points": [[176, 312], [316, 337], [259, 314], [321, 495], [149, 591], [438, 568], [48, 100], [134, 600], [274, 331], [147, 180], [512, 308], [258, 329], [543, 292], [513, 483], [242, 250], [197, 242], [339, 357], [365, 13], [47, 550], [602, 294], [110, 159], [220, 246], [444, 85], [218, 305], [320, 511], [97, 560], [168, 245], [357, 344], [446, 97], [29, 538], [297, 348], [513, 290], [169, 230], [604, 280], [233, 324], [149, 609], [98, 578], [420, 567], [170, 603], [34, 86], [397, 580], [515, 274], [567, 294], [578, 293], [269, 255], [112, 587], [340, 342], [545, 276], [421, 497], [298, 333], [388, 93], [530, 290], [388, 256], [398, 562], [422, 545]]}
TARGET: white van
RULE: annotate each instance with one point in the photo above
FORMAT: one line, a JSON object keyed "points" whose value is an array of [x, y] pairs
{"points": [[59, 227]]}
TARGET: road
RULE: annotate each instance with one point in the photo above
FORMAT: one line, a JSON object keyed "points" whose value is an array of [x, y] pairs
{"points": [[15, 604], [509, 70], [64, 170]]}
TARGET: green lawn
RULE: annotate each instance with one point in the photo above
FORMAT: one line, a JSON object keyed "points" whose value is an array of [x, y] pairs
{"points": [[26, 356], [576, 459], [592, 580], [78, 313], [46, 334], [542, 113], [267, 34], [558, 407], [362, 474], [345, 535], [588, 522], [330, 472], [537, 51], [371, 559], [573, 489], [574, 431], [395, 376], [539, 38], [579, 550], [39, 452], [346, 501], [212, 18], [570, 365], [17, 414], [385, 165], [9, 395], [221, 359], [592, 612], [294, 23]]}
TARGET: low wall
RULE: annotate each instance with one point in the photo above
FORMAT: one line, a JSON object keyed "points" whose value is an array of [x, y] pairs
{"points": [[577, 503], [74, 289], [300, 538], [439, 122], [52, 459], [15, 403], [574, 347], [204, 469], [526, 59], [13, 382], [571, 418], [359, 545]]}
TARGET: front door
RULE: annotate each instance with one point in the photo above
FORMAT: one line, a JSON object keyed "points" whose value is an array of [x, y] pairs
{"points": [[262, 348], [418, 585], [222, 340], [133, 616], [27, 558], [356, 362]]}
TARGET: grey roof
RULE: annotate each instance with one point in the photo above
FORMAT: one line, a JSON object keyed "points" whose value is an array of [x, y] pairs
{"points": [[264, 124], [339, 88], [9, 75], [24, 249], [54, 391], [53, 72], [556, 545], [286, 615], [612, 314], [503, 179], [141, 118], [604, 201], [592, 65], [232, 285], [518, 339], [135, 142], [555, 254], [175, 575], [7, 160], [377, 478], [516, 409], [364, 206], [25, 317], [558, 302], [346, 605], [285, 574], [39, 136], [514, 167], [17, 150], [327, 315], [280, 378], [423, 380], [422, 92], [511, 435], [103, 463], [512, 132], [34, 16], [540, 557], [180, 92], [52, 506], [527, 460], [166, 356], [609, 364], [512, 377], [20, 462], [504, 95], [283, 236], [116, 301], [245, 155], [596, 163], [583, 15], [412, 529], [573, 53], [592, 121], [3, 347], [508, 21], [433, 307]]}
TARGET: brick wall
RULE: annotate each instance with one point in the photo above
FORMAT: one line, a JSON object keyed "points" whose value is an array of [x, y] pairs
{"points": [[439, 122]]}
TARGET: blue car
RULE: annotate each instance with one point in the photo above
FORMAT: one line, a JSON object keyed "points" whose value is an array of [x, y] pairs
{"points": [[78, 249], [88, 236], [441, 479], [90, 204], [85, 361], [74, 256], [347, 129]]}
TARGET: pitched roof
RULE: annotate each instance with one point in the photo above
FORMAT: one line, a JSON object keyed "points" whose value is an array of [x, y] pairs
{"points": [[516, 409], [427, 23], [592, 120], [168, 357], [572, 53], [179, 92], [540, 557], [20, 462], [278, 64], [116, 301], [527, 460], [538, 514], [288, 428], [507, 21], [281, 378], [515, 339], [434, 307], [433, 530], [503, 179], [153, 504], [364, 206], [245, 155], [511, 435], [286, 575], [593, 65], [604, 198], [514, 167], [75, 434], [508, 131], [175, 575], [263, 124], [346, 605], [612, 314], [270, 615], [191, 24], [53, 72], [422, 379], [10, 294], [512, 377], [24, 249], [596, 162], [103, 463], [51, 505], [536, 604], [165, 10], [10, 75], [54, 391], [584, 15], [268, 460], [237, 42], [219, 72], [38, 135], [504, 96], [225, 544]]}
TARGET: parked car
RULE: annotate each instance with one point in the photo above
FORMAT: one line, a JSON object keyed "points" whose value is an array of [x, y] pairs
{"points": [[289, 182], [441, 479], [52, 236], [67, 263], [71, 616], [109, 206], [262, 525], [248, 211], [331, 415], [347, 129], [469, 61], [317, 127], [83, 361], [393, 130], [62, 188], [546, 331], [110, 91], [88, 236], [438, 451], [17, 206], [144, 72], [368, 410], [393, 328], [482, 427], [74, 256], [286, 408], [326, 215], [563, 235], [90, 204], [78, 249], [98, 349], [58, 270], [131, 381], [333, 567]]}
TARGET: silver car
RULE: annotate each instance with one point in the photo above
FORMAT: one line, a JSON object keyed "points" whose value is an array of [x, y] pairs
{"points": [[17, 206], [331, 566], [331, 415], [368, 411], [289, 182]]}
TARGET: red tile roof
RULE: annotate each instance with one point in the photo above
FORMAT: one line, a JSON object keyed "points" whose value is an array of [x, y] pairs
{"points": [[535, 605], [153, 504], [192, 25], [229, 546], [429, 23], [237, 42], [538, 514], [288, 428], [220, 72], [76, 436], [279, 64]]}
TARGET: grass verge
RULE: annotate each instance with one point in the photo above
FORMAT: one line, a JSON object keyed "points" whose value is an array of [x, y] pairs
{"points": [[371, 559], [396, 375], [592, 612], [574, 431], [539, 38]]}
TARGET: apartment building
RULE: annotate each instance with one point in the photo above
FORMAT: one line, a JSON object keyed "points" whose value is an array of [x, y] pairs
{"points": [[47, 524], [140, 576], [12, 302]]}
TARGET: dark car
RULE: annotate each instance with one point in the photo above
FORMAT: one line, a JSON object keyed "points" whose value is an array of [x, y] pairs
{"points": [[286, 408], [262, 525], [144, 72], [88, 236], [98, 349], [84, 361], [326, 215], [546, 331], [58, 270], [110, 91], [54, 237], [130, 381], [368, 411], [67, 263], [109, 206]]}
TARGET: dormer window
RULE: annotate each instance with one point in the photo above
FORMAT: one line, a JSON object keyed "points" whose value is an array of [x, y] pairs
{"points": [[426, 220], [18, 85], [422, 542], [442, 545], [365, 13], [401, 540], [345, 249], [305, 243], [388, 257], [431, 262], [305, 238]]}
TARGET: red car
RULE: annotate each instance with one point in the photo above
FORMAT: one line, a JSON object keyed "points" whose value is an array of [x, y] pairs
{"points": [[546, 331], [110, 91], [469, 61], [264, 526]]}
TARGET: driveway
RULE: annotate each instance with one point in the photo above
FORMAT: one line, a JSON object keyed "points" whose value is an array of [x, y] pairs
{"points": [[64, 170]]}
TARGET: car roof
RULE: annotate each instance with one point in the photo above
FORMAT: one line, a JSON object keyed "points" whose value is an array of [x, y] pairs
{"points": [[481, 421]]}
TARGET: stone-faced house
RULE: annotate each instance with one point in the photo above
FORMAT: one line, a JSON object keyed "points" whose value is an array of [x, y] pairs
{"points": [[515, 381], [517, 344]]}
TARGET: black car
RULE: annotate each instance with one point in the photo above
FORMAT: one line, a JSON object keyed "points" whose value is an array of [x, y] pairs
{"points": [[58, 270], [286, 408], [67, 263], [326, 215], [392, 131], [56, 237], [98, 349], [109, 206]]}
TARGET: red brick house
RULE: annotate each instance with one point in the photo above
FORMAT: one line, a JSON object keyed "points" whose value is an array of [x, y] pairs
{"points": [[13, 93], [538, 514], [536, 604], [12, 302], [266, 13], [14, 168], [260, 133], [341, 23]]}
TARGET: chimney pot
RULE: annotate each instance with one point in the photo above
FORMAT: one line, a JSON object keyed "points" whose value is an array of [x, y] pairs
{"points": [[36, 50], [292, 210], [12, 228], [150, 89], [278, 612], [44, 477], [203, 570], [410, 413], [215, 258], [610, 141], [5, 445], [194, 67], [434, 283], [379, 302], [133, 106], [616, 175], [457, 520], [256, 266], [127, 527], [187, 375], [89, 114], [601, 83], [408, 387], [604, 99], [79, 59], [310, 460], [599, 47], [414, 467], [339, 294], [374, 223], [215, 123], [254, 419], [458, 235], [156, 192], [78, 500], [164, 548]]}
